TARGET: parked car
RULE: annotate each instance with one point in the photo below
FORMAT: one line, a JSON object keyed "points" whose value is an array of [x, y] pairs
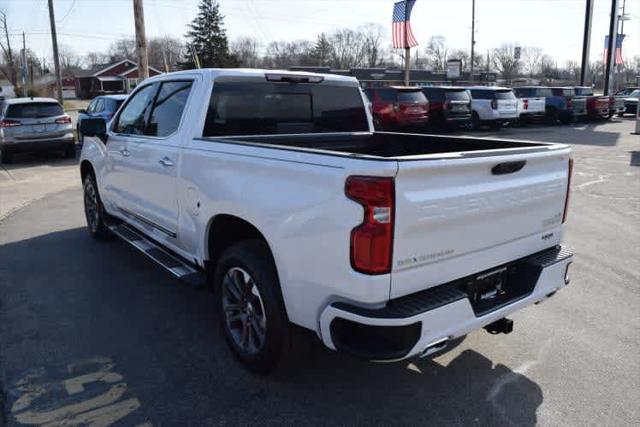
{"points": [[493, 106], [34, 124], [531, 103], [631, 102], [626, 91], [597, 106], [564, 106], [398, 107], [103, 107], [620, 100], [449, 106], [275, 188]]}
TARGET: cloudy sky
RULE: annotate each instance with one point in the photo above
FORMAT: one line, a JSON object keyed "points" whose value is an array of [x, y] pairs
{"points": [[554, 25]]}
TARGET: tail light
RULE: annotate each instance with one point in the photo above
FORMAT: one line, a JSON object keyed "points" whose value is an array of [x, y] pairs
{"points": [[566, 199], [525, 104], [372, 240], [6, 123], [63, 120], [569, 103], [494, 104]]}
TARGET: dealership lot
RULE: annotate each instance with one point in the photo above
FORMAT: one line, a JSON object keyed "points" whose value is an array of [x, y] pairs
{"points": [[94, 332]]}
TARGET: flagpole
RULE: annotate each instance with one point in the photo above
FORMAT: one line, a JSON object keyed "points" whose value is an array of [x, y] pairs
{"points": [[407, 49]]}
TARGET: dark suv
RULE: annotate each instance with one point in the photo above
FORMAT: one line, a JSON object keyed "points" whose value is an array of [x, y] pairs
{"points": [[398, 107], [449, 106]]}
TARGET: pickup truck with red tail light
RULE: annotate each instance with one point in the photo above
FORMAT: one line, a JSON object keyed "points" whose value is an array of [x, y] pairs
{"points": [[274, 189], [597, 106]]}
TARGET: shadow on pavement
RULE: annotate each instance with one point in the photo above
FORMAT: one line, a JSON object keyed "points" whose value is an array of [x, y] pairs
{"points": [[65, 297], [39, 158], [635, 158]]}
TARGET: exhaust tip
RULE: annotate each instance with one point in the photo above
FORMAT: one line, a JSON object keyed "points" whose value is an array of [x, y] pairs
{"points": [[435, 347]]}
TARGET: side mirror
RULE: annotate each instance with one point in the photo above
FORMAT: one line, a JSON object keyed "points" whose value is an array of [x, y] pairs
{"points": [[93, 127]]}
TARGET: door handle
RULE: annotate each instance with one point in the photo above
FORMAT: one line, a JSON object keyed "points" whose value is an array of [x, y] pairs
{"points": [[165, 161], [125, 152]]}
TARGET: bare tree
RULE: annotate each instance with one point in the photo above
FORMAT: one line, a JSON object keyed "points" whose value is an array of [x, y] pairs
{"points": [[505, 62], [70, 63], [572, 68], [165, 53], [347, 49], [9, 67], [93, 59], [122, 49], [372, 44], [286, 54], [246, 49], [437, 53], [531, 60]]}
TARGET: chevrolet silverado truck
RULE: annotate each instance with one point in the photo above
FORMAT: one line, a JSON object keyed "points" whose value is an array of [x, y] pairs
{"points": [[274, 189]]}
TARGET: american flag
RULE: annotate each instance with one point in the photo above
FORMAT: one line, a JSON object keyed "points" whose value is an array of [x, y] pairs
{"points": [[401, 27], [619, 39]]}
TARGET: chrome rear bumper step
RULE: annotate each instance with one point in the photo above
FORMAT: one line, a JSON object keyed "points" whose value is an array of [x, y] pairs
{"points": [[176, 265]]}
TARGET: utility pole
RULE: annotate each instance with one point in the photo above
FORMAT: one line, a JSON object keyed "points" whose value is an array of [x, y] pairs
{"points": [[56, 60], [23, 66], [586, 42], [141, 40], [611, 48], [473, 36], [407, 50]]}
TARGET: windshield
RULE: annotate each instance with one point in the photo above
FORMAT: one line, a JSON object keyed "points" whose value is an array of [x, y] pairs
{"points": [[262, 108], [457, 95], [34, 110], [635, 94], [411, 96]]}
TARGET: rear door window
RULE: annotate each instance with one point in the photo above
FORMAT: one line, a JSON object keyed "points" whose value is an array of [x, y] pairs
{"points": [[411, 96], [34, 110], [263, 108], [434, 94]]}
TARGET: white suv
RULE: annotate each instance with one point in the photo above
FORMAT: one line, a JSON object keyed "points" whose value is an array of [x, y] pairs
{"points": [[493, 106]]}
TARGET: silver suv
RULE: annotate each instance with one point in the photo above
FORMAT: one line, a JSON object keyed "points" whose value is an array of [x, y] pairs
{"points": [[34, 124]]}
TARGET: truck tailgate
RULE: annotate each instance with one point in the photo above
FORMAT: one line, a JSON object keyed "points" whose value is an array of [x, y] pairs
{"points": [[456, 217]]}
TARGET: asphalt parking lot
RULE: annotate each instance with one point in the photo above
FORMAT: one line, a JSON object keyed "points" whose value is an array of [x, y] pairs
{"points": [[95, 333]]}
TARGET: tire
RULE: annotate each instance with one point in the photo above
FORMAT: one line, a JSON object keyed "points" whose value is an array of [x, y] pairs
{"points": [[620, 114], [475, 121], [6, 156], [552, 116], [80, 135], [250, 307], [94, 209], [70, 151]]}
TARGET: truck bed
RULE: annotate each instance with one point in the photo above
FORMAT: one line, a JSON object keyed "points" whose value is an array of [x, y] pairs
{"points": [[390, 145]]}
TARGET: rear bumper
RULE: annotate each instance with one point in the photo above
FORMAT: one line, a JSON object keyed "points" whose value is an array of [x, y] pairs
{"points": [[37, 145], [411, 325]]}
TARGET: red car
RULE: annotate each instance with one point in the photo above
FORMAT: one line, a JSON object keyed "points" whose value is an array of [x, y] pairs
{"points": [[398, 107]]}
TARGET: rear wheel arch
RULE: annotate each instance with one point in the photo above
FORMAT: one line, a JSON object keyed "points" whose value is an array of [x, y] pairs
{"points": [[225, 230], [86, 168]]}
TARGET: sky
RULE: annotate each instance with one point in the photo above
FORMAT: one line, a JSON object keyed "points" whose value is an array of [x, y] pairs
{"points": [[556, 26]]}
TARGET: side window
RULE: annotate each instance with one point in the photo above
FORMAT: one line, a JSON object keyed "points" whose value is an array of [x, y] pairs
{"points": [[92, 106], [133, 118], [168, 108], [99, 105]]}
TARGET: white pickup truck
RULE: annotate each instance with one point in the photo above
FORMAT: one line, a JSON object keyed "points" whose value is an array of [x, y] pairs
{"points": [[274, 187]]}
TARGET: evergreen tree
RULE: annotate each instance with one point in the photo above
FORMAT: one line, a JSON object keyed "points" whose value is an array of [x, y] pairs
{"points": [[207, 39], [321, 52]]}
